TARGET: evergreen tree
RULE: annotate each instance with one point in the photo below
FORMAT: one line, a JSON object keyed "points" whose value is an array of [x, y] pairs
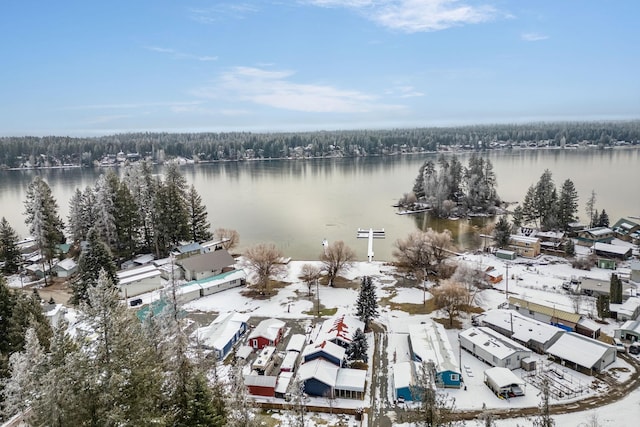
{"points": [[240, 412], [143, 187], [567, 205], [199, 227], [570, 247], [529, 213], [418, 186], [435, 409], [9, 251], [200, 408], [357, 349], [172, 218], [367, 303], [603, 219], [105, 195], [76, 226], [615, 289], [517, 217], [544, 418], [602, 306], [127, 222], [41, 216], [94, 258], [502, 232], [127, 386], [545, 201]]}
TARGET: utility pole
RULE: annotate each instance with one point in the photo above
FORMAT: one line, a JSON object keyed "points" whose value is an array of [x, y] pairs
{"points": [[506, 289]]}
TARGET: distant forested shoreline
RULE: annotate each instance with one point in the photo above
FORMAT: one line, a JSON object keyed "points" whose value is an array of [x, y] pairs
{"points": [[51, 151]]}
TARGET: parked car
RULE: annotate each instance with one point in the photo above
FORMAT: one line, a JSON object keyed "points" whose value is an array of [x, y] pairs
{"points": [[634, 348]]}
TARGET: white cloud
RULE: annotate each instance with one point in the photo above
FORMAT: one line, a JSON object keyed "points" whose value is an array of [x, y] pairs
{"points": [[533, 37], [221, 12], [414, 16], [276, 89], [134, 106], [176, 54]]}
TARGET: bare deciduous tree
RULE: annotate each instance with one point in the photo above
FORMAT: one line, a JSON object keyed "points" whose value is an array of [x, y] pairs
{"points": [[336, 257], [450, 297], [264, 259], [473, 279], [309, 274], [230, 238], [421, 251]]}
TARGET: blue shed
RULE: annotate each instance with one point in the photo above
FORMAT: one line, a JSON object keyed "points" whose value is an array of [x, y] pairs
{"points": [[403, 380], [319, 377], [429, 343]]}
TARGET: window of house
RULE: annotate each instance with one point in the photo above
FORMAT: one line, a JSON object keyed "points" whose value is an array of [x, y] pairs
{"points": [[455, 377]]}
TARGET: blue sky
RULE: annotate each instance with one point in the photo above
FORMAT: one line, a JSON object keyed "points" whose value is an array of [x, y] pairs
{"points": [[100, 67]]}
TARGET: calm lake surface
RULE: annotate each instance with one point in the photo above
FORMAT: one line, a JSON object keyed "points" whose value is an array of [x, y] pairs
{"points": [[296, 204]]}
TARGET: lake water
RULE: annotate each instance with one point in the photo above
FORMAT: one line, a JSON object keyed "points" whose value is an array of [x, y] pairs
{"points": [[296, 204]]}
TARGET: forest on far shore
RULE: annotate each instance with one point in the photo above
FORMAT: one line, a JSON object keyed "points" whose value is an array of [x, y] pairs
{"points": [[86, 151]]}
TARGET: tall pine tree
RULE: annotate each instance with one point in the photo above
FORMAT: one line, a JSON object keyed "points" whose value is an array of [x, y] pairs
{"points": [[199, 227], [9, 251], [94, 258], [367, 303]]}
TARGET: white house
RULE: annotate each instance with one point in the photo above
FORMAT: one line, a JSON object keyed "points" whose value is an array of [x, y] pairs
{"points": [[139, 280], [65, 268], [503, 382], [529, 332], [583, 353], [493, 348], [207, 264]]}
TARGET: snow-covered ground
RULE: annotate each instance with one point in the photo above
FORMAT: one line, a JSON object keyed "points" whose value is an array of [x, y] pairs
{"points": [[539, 281]]}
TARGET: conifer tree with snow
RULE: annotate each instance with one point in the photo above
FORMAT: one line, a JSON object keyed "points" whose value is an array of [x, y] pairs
{"points": [[127, 222], [615, 289], [199, 227], [126, 387], [357, 349], [105, 225], [567, 205], [240, 411], [367, 303], [41, 216], [435, 409], [143, 188], [9, 251], [603, 219], [94, 258], [570, 247], [298, 401], [502, 232], [171, 216]]}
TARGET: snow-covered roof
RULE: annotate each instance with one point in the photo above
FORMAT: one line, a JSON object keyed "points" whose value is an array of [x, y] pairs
{"points": [[550, 234], [351, 379], [320, 369], [579, 349], [190, 247], [403, 374], [525, 329], [220, 279], [260, 381], [136, 278], [629, 307], [631, 325], [327, 347], [284, 378], [268, 328], [67, 264], [289, 361], [209, 261], [524, 239], [599, 231], [634, 265], [341, 328], [503, 377], [613, 249], [244, 351], [545, 309], [143, 259], [221, 330], [589, 324], [123, 274], [430, 343], [296, 342], [492, 342]]}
